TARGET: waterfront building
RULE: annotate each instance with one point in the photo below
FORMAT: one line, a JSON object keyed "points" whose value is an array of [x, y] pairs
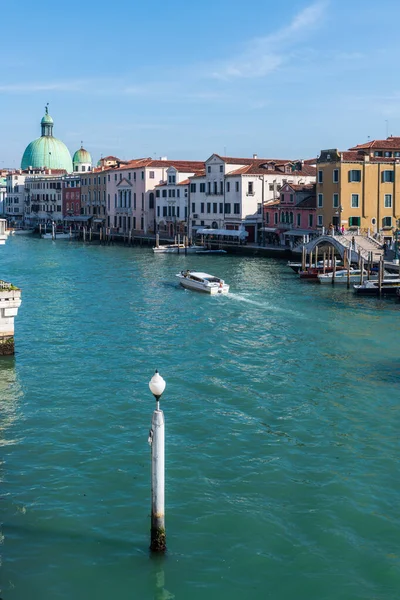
{"points": [[3, 193], [232, 191], [132, 188], [360, 187], [71, 195], [43, 191], [93, 195], [47, 151], [15, 194], [292, 216]]}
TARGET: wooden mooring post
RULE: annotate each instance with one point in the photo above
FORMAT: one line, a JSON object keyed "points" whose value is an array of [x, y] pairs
{"points": [[380, 275], [362, 271], [348, 268], [303, 259], [333, 267], [157, 443], [324, 265]]}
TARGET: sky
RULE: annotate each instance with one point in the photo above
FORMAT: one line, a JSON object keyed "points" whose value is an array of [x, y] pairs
{"points": [[185, 80]]}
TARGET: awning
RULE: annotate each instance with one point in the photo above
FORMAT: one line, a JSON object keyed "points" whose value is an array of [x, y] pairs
{"points": [[231, 232], [80, 218], [98, 220], [269, 229], [300, 232]]}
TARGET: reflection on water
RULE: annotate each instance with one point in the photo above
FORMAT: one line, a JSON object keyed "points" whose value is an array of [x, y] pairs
{"points": [[281, 414]]}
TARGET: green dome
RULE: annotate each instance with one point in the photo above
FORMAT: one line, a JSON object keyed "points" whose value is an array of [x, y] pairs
{"points": [[47, 151], [47, 119], [82, 156]]}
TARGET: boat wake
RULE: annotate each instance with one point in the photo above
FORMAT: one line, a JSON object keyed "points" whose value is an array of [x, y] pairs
{"points": [[266, 305]]}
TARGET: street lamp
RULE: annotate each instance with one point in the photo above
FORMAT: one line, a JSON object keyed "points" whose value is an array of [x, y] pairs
{"points": [[157, 387]]}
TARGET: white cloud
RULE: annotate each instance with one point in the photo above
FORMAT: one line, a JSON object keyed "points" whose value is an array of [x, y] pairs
{"points": [[264, 55]]}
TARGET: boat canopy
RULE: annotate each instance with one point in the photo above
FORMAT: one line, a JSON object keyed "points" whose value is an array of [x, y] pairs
{"points": [[232, 232]]}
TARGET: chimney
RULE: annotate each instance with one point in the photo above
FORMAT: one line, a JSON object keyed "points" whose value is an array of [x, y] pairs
{"points": [[255, 156]]}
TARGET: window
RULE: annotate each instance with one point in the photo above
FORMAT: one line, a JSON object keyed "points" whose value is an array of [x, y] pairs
{"points": [[208, 188], [221, 168], [221, 208], [129, 175], [378, 153], [250, 187], [134, 201], [320, 221], [228, 186], [193, 188], [236, 208], [283, 198], [164, 211], [310, 220], [397, 154], [202, 207], [291, 197], [387, 176], [275, 218], [320, 200], [387, 222], [193, 207], [320, 176], [388, 154], [227, 208], [354, 221], [151, 200], [355, 175], [169, 193], [157, 193], [151, 175], [158, 211], [335, 200], [142, 202], [115, 178], [335, 175], [388, 200], [215, 188], [178, 193], [203, 188], [215, 207], [298, 219], [354, 200], [134, 179], [142, 178], [208, 207], [221, 187], [177, 211], [208, 169], [164, 193], [236, 186]]}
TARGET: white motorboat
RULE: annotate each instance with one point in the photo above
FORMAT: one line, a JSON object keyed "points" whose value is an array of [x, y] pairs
{"points": [[354, 276], [203, 282], [371, 288], [59, 235], [177, 249], [23, 231]]}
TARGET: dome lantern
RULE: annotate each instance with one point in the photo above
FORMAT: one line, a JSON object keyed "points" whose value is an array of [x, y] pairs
{"points": [[47, 123], [82, 160]]}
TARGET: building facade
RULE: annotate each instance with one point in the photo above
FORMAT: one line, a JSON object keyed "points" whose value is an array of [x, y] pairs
{"points": [[232, 191], [360, 188], [292, 216]]}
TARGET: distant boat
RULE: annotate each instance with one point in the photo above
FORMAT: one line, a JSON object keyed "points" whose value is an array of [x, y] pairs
{"points": [[59, 235], [23, 231], [177, 248]]}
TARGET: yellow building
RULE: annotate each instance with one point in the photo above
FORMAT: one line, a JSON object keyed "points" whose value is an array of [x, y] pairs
{"points": [[360, 187]]}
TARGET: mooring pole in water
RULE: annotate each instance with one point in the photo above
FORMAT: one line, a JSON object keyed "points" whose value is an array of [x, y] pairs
{"points": [[157, 443]]}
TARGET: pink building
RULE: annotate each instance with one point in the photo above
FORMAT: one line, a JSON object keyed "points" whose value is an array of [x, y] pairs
{"points": [[292, 216]]}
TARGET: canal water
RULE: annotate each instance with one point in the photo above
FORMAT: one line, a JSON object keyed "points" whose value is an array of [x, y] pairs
{"points": [[282, 415]]}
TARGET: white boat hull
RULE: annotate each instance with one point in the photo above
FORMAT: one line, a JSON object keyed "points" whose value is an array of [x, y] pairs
{"points": [[58, 236], [203, 282], [174, 249]]}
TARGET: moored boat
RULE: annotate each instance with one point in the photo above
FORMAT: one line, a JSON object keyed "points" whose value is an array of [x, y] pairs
{"points": [[177, 249], [203, 282], [389, 287]]}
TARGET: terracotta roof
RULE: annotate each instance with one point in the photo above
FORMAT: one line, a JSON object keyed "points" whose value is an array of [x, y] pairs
{"points": [[391, 143], [185, 182], [259, 169], [302, 187], [272, 203], [359, 156], [309, 202]]}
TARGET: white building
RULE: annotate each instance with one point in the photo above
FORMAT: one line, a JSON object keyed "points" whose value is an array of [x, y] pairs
{"points": [[232, 191], [15, 193], [43, 197]]}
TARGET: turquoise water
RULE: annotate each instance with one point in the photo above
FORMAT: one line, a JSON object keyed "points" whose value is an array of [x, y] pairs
{"points": [[282, 412]]}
